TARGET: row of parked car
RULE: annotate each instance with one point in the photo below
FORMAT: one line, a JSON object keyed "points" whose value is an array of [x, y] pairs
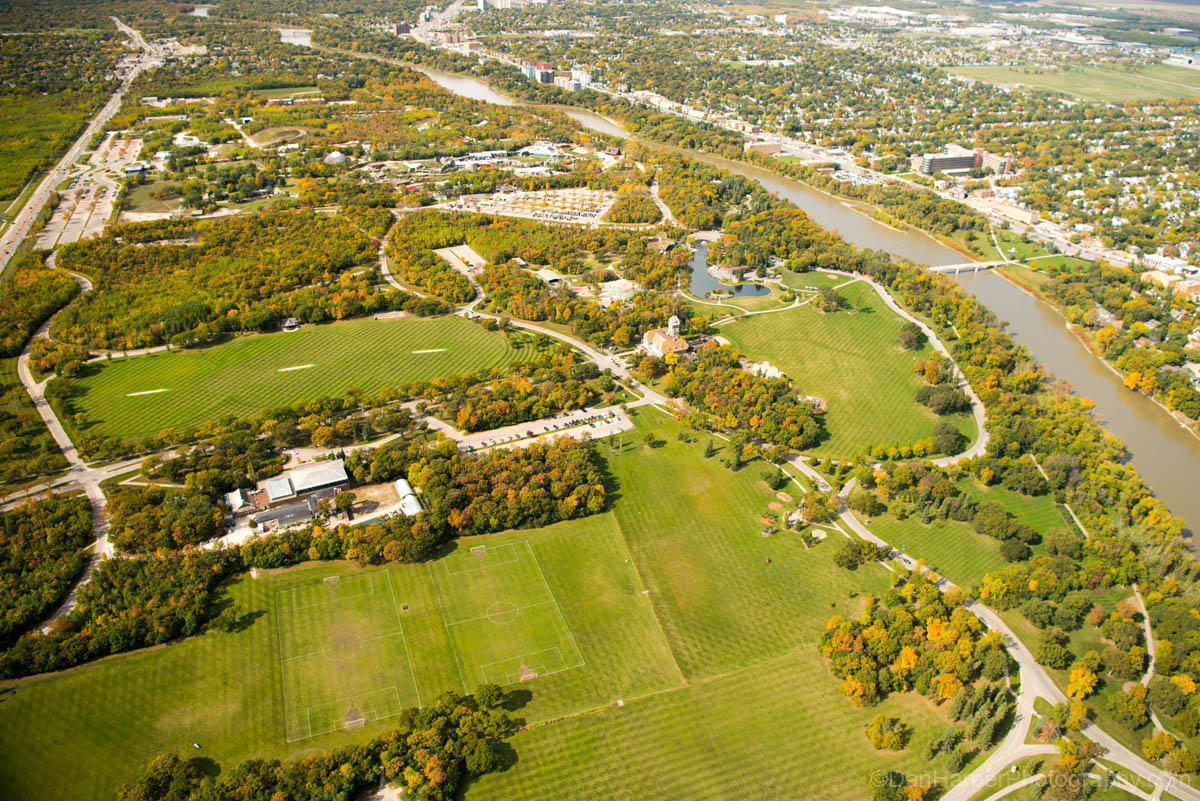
{"points": [[568, 420]]}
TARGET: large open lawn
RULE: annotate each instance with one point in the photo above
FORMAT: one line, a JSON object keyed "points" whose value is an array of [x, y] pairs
{"points": [[143, 395], [666, 604], [1152, 82], [851, 359]]}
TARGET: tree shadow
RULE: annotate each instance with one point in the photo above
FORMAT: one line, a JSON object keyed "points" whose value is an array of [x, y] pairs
{"points": [[205, 766], [516, 699], [247, 620]]}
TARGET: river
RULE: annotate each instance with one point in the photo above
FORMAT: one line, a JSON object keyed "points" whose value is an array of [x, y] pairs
{"points": [[1162, 452]]}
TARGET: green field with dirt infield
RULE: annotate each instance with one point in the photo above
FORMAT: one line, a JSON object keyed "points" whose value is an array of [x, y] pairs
{"points": [[143, 395]]}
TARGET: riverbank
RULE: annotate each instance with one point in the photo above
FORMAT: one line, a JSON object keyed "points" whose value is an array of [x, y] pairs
{"points": [[1156, 450], [1016, 275]]}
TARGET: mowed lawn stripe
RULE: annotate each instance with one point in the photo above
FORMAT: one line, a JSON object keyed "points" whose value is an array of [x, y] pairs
{"points": [[851, 359], [257, 372], [775, 730], [693, 528]]}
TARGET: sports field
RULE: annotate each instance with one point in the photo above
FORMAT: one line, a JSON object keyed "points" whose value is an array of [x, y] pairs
{"points": [[143, 395], [671, 657], [851, 359], [1151, 82]]}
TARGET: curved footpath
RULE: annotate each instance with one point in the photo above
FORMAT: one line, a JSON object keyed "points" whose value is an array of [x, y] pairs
{"points": [[1035, 682]]}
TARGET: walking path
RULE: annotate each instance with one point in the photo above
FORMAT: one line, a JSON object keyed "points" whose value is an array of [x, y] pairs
{"points": [[1035, 683]]}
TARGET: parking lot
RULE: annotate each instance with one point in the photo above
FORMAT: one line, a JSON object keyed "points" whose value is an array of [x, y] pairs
{"points": [[582, 206], [581, 424]]}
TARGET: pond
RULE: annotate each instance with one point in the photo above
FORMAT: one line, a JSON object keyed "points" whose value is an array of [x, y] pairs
{"points": [[704, 282]]}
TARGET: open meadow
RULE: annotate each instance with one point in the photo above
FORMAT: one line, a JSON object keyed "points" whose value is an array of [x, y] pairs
{"points": [[143, 395], [659, 649], [1151, 82], [851, 359]]}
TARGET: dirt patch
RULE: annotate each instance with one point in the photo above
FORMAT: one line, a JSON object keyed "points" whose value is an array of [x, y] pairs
{"points": [[527, 673], [767, 521], [774, 506], [343, 646], [783, 496]]}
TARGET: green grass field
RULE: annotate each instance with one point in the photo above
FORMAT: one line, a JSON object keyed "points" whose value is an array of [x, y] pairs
{"points": [[185, 388], [851, 359], [668, 599], [1153, 82]]}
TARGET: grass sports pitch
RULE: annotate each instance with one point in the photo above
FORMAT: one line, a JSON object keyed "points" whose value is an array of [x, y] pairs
{"points": [[143, 395], [504, 623], [344, 651]]}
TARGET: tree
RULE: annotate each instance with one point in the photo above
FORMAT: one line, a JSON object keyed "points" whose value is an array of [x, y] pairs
{"points": [[344, 501], [910, 336], [709, 449], [946, 438], [489, 696], [1082, 681], [830, 300]]}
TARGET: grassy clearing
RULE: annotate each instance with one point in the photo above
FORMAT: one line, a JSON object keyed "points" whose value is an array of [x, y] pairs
{"points": [[851, 359], [955, 549], [250, 373], [773, 730], [761, 712], [139, 199], [1155, 82]]}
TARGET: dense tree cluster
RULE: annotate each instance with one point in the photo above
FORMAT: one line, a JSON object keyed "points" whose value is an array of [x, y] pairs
{"points": [[431, 753], [913, 638], [41, 553], [158, 518], [31, 294], [410, 247], [475, 494], [518, 292], [554, 382], [129, 603], [27, 448], [243, 273], [632, 208], [736, 399]]}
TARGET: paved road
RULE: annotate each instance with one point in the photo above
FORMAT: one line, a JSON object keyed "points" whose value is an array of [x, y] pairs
{"points": [[25, 218], [1035, 683]]}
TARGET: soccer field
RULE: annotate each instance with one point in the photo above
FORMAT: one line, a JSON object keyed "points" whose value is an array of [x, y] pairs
{"points": [[143, 395], [343, 649]]}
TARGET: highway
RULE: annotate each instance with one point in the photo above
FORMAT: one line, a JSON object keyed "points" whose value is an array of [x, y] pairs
{"points": [[25, 217]]}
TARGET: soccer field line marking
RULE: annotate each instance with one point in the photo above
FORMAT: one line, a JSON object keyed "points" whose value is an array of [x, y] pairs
{"points": [[485, 617], [441, 608], [296, 367], [145, 392], [282, 670], [360, 642], [554, 598], [368, 716], [322, 584], [506, 548], [411, 672]]}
